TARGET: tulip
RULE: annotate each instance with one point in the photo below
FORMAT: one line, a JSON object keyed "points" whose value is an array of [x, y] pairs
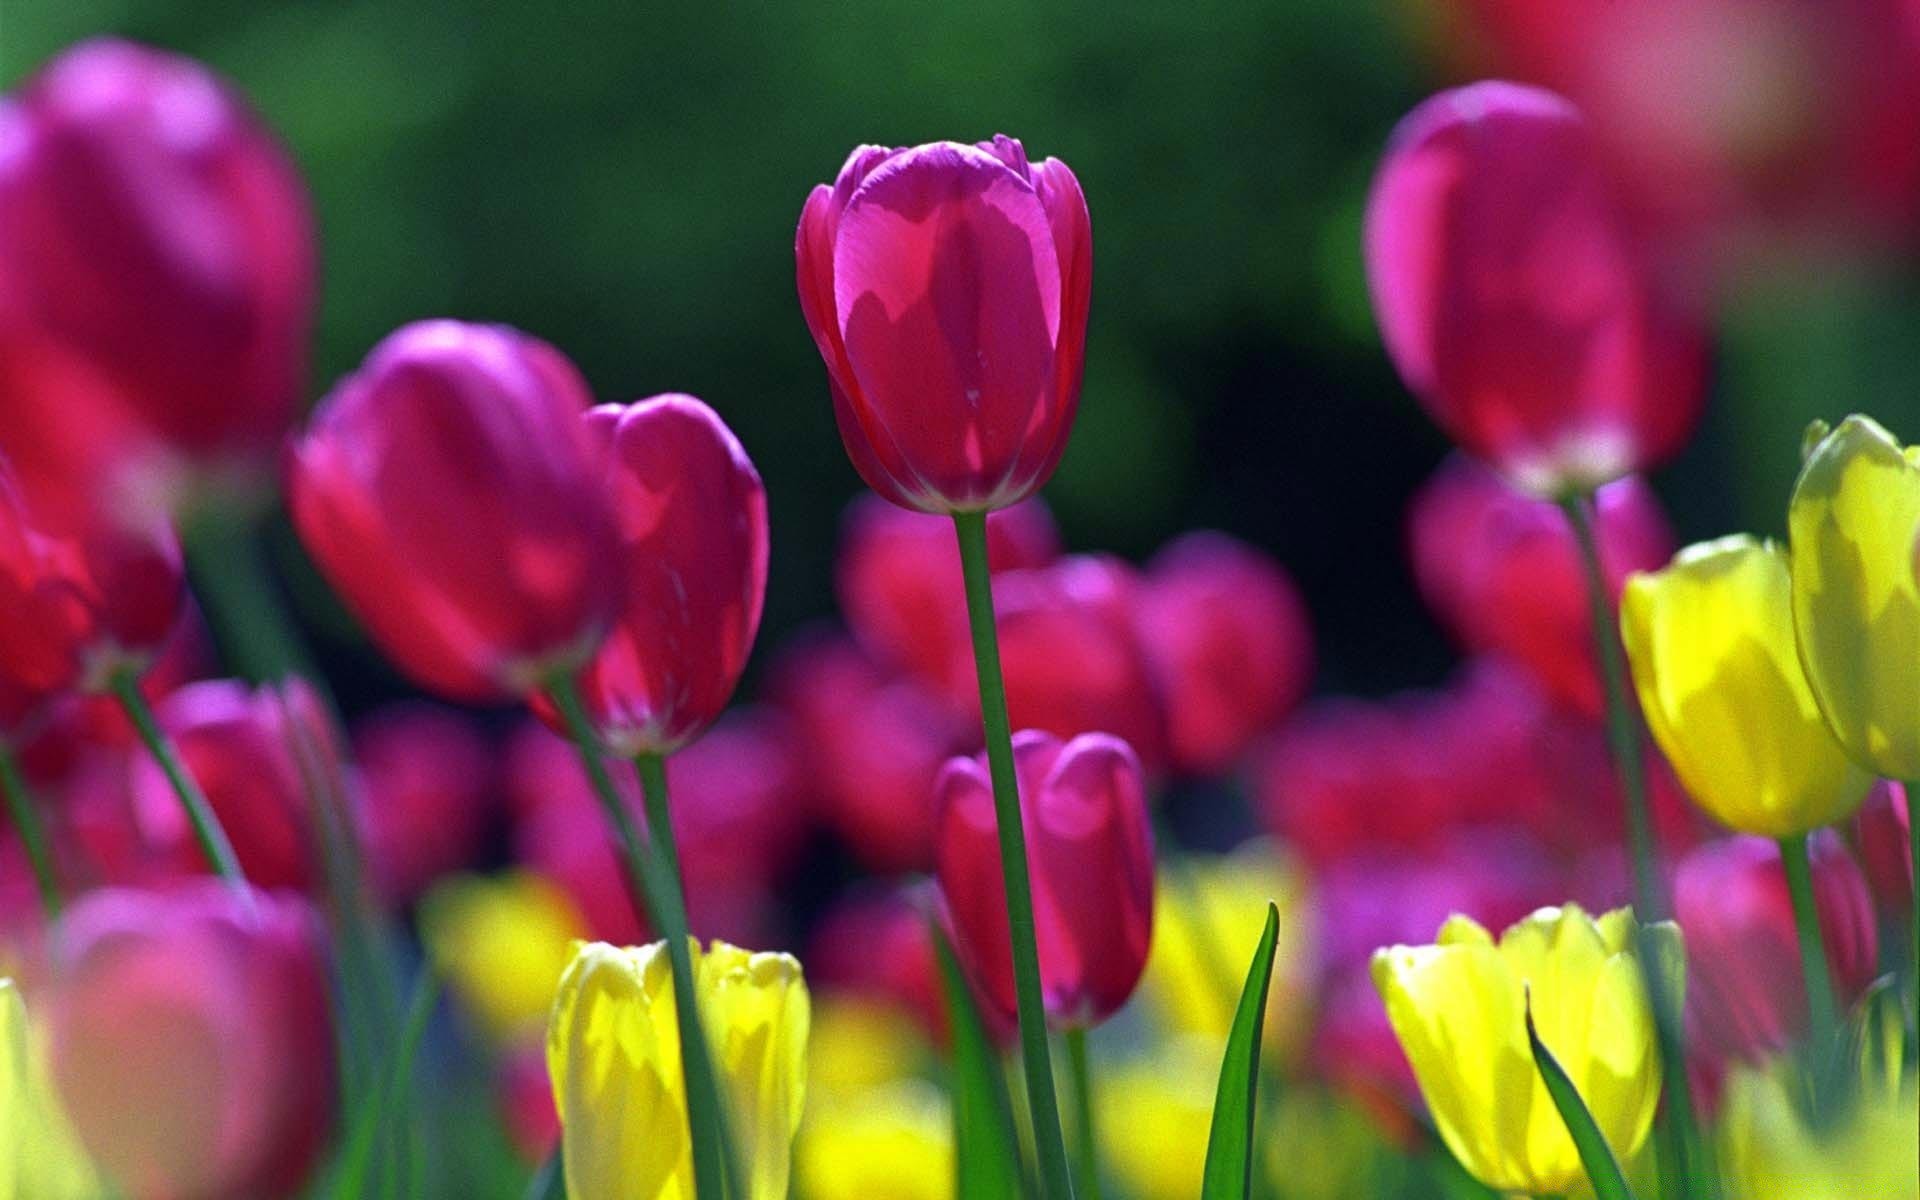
{"points": [[447, 490], [502, 943], [159, 232], [39, 1153], [898, 577], [1513, 296], [1769, 1150], [1226, 638], [1155, 1113], [692, 518], [1083, 805], [523, 1096], [1746, 999], [613, 1052], [191, 1039], [894, 1140], [873, 947], [1502, 571], [1459, 1008], [425, 795], [1856, 603], [946, 287], [1718, 672], [1884, 835], [43, 639]]}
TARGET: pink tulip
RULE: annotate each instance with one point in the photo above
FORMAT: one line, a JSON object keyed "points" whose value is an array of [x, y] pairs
{"points": [[1225, 633], [425, 795], [1885, 838], [447, 490], [1083, 804], [1514, 298], [946, 287]]}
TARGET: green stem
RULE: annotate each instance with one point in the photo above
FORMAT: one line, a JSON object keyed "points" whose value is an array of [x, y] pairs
{"points": [[33, 836], [1822, 1021], [659, 890], [1684, 1155], [233, 583], [206, 825], [1041, 1102], [1086, 1160]]}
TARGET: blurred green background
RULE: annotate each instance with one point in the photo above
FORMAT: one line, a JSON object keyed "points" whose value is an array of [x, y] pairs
{"points": [[623, 179]]}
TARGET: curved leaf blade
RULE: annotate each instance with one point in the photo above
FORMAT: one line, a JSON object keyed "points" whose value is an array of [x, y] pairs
{"points": [[1603, 1170], [986, 1150], [1229, 1171]]}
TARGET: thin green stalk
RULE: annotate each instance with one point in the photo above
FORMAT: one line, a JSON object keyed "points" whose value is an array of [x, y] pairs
{"points": [[206, 825], [1684, 1156], [1044, 1107], [1086, 1158], [232, 582], [658, 889], [26, 822], [1822, 1021]]}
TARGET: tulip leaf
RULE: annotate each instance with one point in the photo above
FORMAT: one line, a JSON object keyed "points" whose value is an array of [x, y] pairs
{"points": [[1229, 1170], [388, 1107], [986, 1148], [1603, 1170]]}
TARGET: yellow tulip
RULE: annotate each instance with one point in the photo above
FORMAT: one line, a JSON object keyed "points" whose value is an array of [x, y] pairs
{"points": [[40, 1155], [613, 1052], [1856, 605], [1458, 1008], [1711, 641], [1769, 1153], [857, 1043], [502, 943], [890, 1141]]}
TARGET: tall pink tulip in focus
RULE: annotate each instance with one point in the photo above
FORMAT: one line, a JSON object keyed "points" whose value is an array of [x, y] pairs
{"points": [[691, 516], [1515, 299], [1745, 998], [157, 231], [192, 1040], [1083, 803], [447, 489], [1225, 635], [1502, 571], [947, 286]]}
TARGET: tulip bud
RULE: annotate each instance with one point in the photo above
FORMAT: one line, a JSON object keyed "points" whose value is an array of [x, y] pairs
{"points": [[157, 230], [1459, 1008], [1885, 838], [1856, 603], [447, 490], [614, 1055], [1083, 804], [1745, 996], [1226, 637], [1514, 299], [947, 287], [1719, 676], [1502, 572], [192, 1040]]}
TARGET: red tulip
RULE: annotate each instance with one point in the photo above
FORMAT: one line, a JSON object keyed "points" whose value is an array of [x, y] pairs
{"points": [[692, 519], [946, 287], [1225, 633], [523, 1095], [48, 624], [1514, 299], [899, 583], [424, 800], [237, 743], [1745, 996], [1083, 804], [1071, 655], [448, 490], [1885, 838], [192, 1040], [158, 231], [1502, 571]]}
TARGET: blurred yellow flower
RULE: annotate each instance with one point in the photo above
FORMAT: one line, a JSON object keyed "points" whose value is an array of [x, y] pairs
{"points": [[1324, 1145], [1856, 606], [1208, 913], [1458, 1008], [1155, 1114], [1769, 1153], [888, 1141], [613, 1052], [1711, 641], [501, 942], [40, 1156]]}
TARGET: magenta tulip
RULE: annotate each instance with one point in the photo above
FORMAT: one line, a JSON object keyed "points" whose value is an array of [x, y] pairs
{"points": [[1514, 298], [157, 230], [1885, 837], [946, 287], [448, 491], [1225, 634], [192, 1041], [1083, 803], [425, 794]]}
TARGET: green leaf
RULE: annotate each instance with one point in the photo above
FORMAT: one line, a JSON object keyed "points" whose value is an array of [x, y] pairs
{"points": [[390, 1106], [1229, 1172], [1603, 1171], [986, 1148]]}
